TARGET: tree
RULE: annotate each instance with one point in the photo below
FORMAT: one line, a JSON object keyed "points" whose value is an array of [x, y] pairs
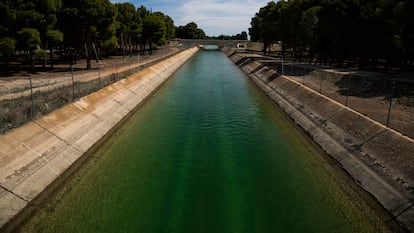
{"points": [[126, 15], [241, 36], [7, 19], [154, 30], [265, 25], [190, 31], [7, 48], [75, 27], [54, 38], [340, 32], [404, 35], [95, 22], [29, 40], [170, 30]]}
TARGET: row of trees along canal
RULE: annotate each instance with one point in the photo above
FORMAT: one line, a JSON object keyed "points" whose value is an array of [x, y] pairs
{"points": [[371, 34], [74, 29]]}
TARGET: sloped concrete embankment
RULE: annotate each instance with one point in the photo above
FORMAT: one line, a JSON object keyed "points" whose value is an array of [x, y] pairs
{"points": [[381, 160], [36, 155]]}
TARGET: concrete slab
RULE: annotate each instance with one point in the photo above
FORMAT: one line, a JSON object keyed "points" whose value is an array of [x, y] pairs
{"points": [[35, 155], [393, 153], [379, 159], [10, 205]]}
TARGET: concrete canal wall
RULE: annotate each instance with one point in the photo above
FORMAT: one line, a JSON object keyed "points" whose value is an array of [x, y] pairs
{"points": [[380, 159], [36, 156]]}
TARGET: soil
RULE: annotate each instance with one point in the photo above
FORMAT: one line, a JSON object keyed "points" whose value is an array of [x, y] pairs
{"points": [[373, 102], [18, 85], [366, 92]]}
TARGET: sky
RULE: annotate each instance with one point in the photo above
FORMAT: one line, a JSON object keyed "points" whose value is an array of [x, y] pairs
{"points": [[215, 17]]}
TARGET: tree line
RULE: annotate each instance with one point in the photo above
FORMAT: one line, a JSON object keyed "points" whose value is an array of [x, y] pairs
{"points": [[370, 34], [83, 28]]}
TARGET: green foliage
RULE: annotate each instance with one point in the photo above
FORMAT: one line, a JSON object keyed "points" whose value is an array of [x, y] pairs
{"points": [[28, 39], [241, 36], [340, 30], [7, 19], [54, 37], [110, 44], [78, 25], [154, 29], [7, 47], [190, 31], [41, 53], [170, 28]]}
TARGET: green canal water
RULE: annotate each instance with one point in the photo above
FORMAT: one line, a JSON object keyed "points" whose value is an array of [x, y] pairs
{"points": [[207, 153]]}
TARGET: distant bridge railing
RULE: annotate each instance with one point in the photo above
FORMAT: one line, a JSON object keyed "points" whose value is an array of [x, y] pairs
{"points": [[220, 43]]}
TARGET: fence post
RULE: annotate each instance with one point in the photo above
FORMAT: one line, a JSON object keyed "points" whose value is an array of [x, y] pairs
{"points": [[137, 62], [390, 105], [99, 75], [73, 84], [320, 86], [31, 96], [130, 64], [348, 91], [116, 71], [304, 73]]}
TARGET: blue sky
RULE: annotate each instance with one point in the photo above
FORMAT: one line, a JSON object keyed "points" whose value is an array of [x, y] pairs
{"points": [[215, 17]]}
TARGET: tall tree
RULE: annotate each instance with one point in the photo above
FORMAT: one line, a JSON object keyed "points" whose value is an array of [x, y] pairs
{"points": [[7, 31], [96, 25], [190, 31], [265, 25], [154, 30], [29, 40], [126, 15]]}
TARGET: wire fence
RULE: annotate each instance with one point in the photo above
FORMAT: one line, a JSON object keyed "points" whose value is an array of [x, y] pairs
{"points": [[387, 99], [31, 96]]}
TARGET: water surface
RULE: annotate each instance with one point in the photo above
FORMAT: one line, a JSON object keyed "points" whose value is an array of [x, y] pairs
{"points": [[207, 153]]}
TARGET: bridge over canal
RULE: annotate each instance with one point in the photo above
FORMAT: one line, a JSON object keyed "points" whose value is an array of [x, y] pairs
{"points": [[218, 43]]}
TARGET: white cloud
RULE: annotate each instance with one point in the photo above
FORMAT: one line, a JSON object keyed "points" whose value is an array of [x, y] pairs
{"points": [[215, 17]]}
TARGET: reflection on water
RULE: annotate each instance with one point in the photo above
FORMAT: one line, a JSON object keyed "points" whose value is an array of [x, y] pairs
{"points": [[208, 153]]}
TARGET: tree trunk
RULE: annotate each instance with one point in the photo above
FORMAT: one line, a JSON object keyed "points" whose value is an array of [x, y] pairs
{"points": [[88, 58], [51, 57], [123, 44], [31, 60]]}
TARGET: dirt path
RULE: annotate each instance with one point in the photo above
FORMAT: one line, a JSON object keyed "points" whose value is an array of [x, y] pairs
{"points": [[19, 85]]}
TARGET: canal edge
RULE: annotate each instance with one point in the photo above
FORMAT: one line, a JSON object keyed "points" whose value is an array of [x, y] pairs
{"points": [[354, 141], [38, 156]]}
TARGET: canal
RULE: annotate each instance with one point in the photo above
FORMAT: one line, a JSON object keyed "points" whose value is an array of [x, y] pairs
{"points": [[208, 153]]}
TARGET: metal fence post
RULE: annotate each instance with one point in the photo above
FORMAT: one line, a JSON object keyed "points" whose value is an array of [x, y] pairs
{"points": [[304, 73], [116, 71], [99, 75], [129, 64], [137, 62], [31, 96], [320, 87], [348, 91], [73, 84], [390, 105]]}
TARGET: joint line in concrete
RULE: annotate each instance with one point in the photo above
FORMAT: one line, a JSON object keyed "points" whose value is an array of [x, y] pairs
{"points": [[130, 90], [57, 136], [372, 137], [54, 134], [10, 191], [404, 210]]}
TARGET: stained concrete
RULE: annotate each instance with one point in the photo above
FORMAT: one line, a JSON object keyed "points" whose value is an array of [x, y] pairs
{"points": [[380, 159], [35, 155]]}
